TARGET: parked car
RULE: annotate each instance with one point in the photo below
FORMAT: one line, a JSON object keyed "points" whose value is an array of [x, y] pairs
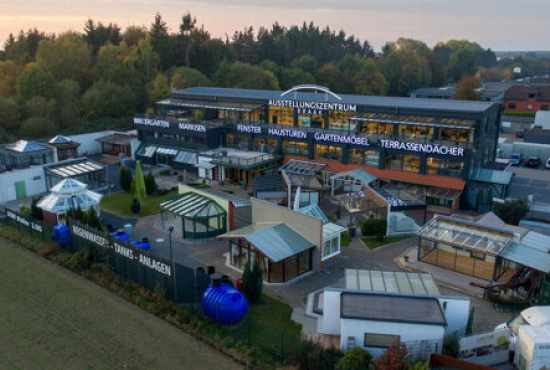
{"points": [[520, 133], [515, 159], [547, 164], [533, 162]]}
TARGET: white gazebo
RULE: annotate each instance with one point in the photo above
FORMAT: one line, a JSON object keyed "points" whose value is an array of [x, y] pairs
{"points": [[67, 194]]}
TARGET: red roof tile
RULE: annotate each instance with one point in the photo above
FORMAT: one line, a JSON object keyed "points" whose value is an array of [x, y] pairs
{"points": [[396, 175]]}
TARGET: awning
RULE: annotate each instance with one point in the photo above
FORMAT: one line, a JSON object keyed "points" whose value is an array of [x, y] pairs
{"points": [[186, 157], [299, 167], [493, 176], [149, 151], [229, 106], [205, 165], [537, 241], [528, 257], [167, 151], [192, 205], [276, 241]]}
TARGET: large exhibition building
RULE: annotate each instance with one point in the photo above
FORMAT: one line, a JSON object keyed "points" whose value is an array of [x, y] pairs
{"points": [[434, 148]]}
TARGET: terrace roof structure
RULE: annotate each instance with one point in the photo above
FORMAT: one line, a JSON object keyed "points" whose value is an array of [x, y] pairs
{"points": [[74, 168], [298, 167], [466, 234], [24, 146]]}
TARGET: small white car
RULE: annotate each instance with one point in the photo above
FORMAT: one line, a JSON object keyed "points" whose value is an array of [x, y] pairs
{"points": [[547, 164]]}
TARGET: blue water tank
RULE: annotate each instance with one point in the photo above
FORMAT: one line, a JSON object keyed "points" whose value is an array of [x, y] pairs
{"points": [[61, 234], [121, 235], [224, 304], [142, 244]]}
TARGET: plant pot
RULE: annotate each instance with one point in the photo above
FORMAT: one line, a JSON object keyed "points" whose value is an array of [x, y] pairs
{"points": [[352, 230]]}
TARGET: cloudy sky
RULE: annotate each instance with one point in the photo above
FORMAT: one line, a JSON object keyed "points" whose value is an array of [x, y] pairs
{"points": [[498, 24]]}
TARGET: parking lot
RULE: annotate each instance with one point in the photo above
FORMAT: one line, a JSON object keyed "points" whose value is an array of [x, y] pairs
{"points": [[535, 181]]}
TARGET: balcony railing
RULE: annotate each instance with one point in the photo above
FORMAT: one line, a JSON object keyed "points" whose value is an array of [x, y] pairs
{"points": [[232, 158]]}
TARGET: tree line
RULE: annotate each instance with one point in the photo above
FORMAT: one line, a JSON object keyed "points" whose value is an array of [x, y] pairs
{"points": [[57, 83]]}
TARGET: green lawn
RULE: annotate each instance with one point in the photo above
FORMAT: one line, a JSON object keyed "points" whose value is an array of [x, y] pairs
{"points": [[345, 239], [268, 325], [375, 243], [120, 204]]}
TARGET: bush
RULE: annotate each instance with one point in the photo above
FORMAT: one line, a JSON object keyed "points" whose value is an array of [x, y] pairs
{"points": [[311, 356], [355, 359], [512, 211], [392, 359], [36, 212], [252, 282], [150, 184], [374, 227], [125, 178], [165, 172]]}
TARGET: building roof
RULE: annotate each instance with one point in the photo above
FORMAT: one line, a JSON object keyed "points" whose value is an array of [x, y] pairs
{"points": [[389, 281], [306, 182], [237, 107], [537, 241], [522, 92], [273, 182], [24, 146], [205, 165], [493, 176], [363, 100], [526, 256], [277, 241], [301, 167], [60, 139], [401, 176], [235, 200], [466, 234], [74, 168], [67, 194], [117, 139], [358, 174], [393, 308], [330, 229], [192, 206]]}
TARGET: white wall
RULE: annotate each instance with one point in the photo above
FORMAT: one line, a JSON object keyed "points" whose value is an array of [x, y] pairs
{"points": [[456, 313], [134, 146], [34, 187], [88, 143], [408, 332]]}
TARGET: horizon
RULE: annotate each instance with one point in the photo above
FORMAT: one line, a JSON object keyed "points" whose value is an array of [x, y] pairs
{"points": [[366, 20]]}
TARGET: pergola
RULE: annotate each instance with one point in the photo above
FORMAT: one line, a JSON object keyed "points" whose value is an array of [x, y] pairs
{"points": [[353, 177]]}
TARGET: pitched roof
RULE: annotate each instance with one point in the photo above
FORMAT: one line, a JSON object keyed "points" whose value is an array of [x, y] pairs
{"points": [[24, 146], [522, 92], [402, 176]]}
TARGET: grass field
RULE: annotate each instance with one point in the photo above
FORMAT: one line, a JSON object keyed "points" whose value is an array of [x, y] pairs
{"points": [[53, 319], [120, 204]]}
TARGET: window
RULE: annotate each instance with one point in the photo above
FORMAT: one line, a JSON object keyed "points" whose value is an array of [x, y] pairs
{"points": [[296, 147], [328, 152], [544, 107], [444, 167], [366, 157], [454, 134], [403, 162], [415, 132], [381, 340], [531, 95], [265, 145], [237, 141], [478, 255], [331, 246], [377, 128], [511, 105]]}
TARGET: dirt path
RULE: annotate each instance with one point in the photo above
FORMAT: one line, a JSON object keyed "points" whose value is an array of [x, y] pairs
{"points": [[52, 319]]}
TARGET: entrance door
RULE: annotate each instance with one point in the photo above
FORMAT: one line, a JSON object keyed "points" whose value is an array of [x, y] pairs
{"points": [[20, 189]]}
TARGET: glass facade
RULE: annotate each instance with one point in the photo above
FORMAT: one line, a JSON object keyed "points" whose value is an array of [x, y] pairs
{"points": [[296, 148], [328, 152], [403, 162], [237, 141], [444, 167], [364, 157], [265, 145]]}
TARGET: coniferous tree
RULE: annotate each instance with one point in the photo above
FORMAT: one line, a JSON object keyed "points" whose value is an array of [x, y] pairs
{"points": [[247, 282]]}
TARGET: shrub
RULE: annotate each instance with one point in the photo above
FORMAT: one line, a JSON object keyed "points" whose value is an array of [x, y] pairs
{"points": [[165, 172], [355, 359], [150, 184], [392, 359], [311, 356], [125, 178], [374, 227], [512, 211], [36, 212]]}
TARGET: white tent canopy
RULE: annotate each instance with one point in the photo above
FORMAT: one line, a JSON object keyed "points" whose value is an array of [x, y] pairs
{"points": [[68, 194]]}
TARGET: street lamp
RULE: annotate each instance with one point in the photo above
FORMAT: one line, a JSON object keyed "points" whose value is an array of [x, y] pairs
{"points": [[170, 230]]}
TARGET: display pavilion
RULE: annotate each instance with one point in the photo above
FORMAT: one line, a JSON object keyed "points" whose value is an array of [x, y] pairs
{"points": [[65, 195]]}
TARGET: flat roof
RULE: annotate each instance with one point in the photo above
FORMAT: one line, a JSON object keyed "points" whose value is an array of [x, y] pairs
{"points": [[117, 139], [390, 281], [400, 309], [363, 100], [75, 168], [528, 257]]}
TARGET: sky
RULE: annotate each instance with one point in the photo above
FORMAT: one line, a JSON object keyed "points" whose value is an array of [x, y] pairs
{"points": [[499, 24]]}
